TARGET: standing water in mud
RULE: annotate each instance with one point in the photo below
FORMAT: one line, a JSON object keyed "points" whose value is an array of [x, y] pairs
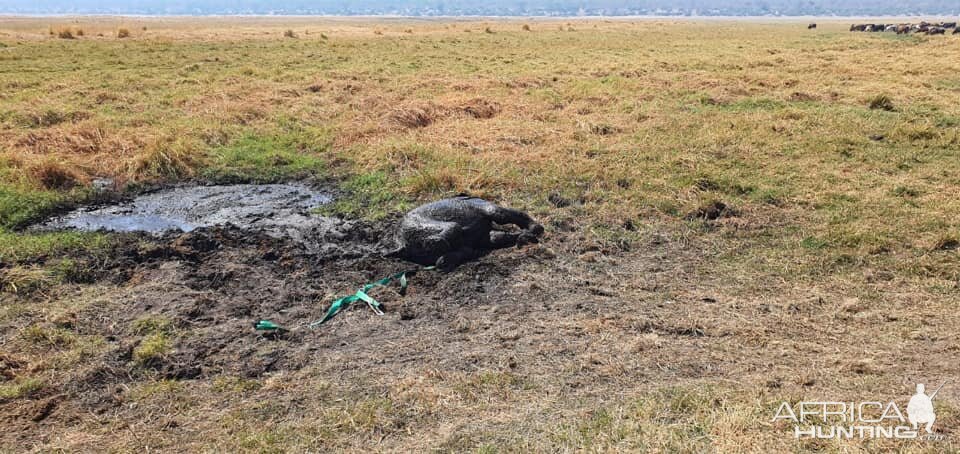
{"points": [[268, 207]]}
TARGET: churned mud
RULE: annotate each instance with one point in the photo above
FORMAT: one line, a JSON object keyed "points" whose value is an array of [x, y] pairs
{"points": [[275, 210], [266, 207]]}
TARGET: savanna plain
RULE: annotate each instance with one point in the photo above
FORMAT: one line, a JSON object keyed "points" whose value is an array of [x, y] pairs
{"points": [[737, 214]]}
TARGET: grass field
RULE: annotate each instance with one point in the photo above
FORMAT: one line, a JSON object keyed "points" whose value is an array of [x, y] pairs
{"points": [[751, 212]]}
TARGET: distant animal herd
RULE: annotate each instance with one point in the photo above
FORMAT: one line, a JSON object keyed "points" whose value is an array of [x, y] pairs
{"points": [[926, 28]]}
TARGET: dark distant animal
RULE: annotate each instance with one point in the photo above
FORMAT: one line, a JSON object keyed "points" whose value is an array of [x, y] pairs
{"points": [[451, 231], [811, 26], [903, 29], [948, 25], [936, 31], [858, 27], [956, 31]]}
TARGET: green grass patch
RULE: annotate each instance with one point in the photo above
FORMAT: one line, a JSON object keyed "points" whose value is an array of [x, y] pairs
{"points": [[30, 247], [814, 243], [757, 104], [152, 349], [20, 207], [42, 260], [368, 196], [948, 84], [48, 337], [21, 387], [268, 158], [235, 385], [681, 419], [160, 390], [152, 324], [73, 270]]}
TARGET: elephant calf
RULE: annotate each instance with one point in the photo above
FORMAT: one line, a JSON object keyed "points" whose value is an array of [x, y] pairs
{"points": [[451, 231]]}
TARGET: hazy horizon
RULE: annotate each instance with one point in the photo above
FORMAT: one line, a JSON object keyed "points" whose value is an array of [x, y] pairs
{"points": [[503, 8]]}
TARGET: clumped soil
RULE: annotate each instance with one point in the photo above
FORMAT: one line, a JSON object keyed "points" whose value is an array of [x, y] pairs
{"points": [[211, 285]]}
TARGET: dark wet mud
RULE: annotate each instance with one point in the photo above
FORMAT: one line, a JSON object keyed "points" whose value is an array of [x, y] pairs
{"points": [[212, 284], [269, 207]]}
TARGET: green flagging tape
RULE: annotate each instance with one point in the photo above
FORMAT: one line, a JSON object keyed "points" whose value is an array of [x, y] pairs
{"points": [[362, 295], [266, 325]]}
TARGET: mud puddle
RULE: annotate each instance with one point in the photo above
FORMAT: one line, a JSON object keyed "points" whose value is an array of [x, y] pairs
{"points": [[268, 207]]}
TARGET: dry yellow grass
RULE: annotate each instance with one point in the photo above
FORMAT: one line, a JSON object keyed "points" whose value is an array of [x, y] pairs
{"points": [[832, 275]]}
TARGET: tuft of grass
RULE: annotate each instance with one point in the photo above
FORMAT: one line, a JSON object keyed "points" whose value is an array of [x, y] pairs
{"points": [[434, 181], [905, 192], [481, 108], [881, 102], [526, 27], [487, 383], [235, 385], [166, 160], [917, 133], [152, 349], [602, 129], [42, 336], [414, 116], [55, 175], [289, 34], [65, 33], [123, 33], [152, 324], [163, 390], [73, 271], [45, 117], [25, 279], [20, 387]]}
